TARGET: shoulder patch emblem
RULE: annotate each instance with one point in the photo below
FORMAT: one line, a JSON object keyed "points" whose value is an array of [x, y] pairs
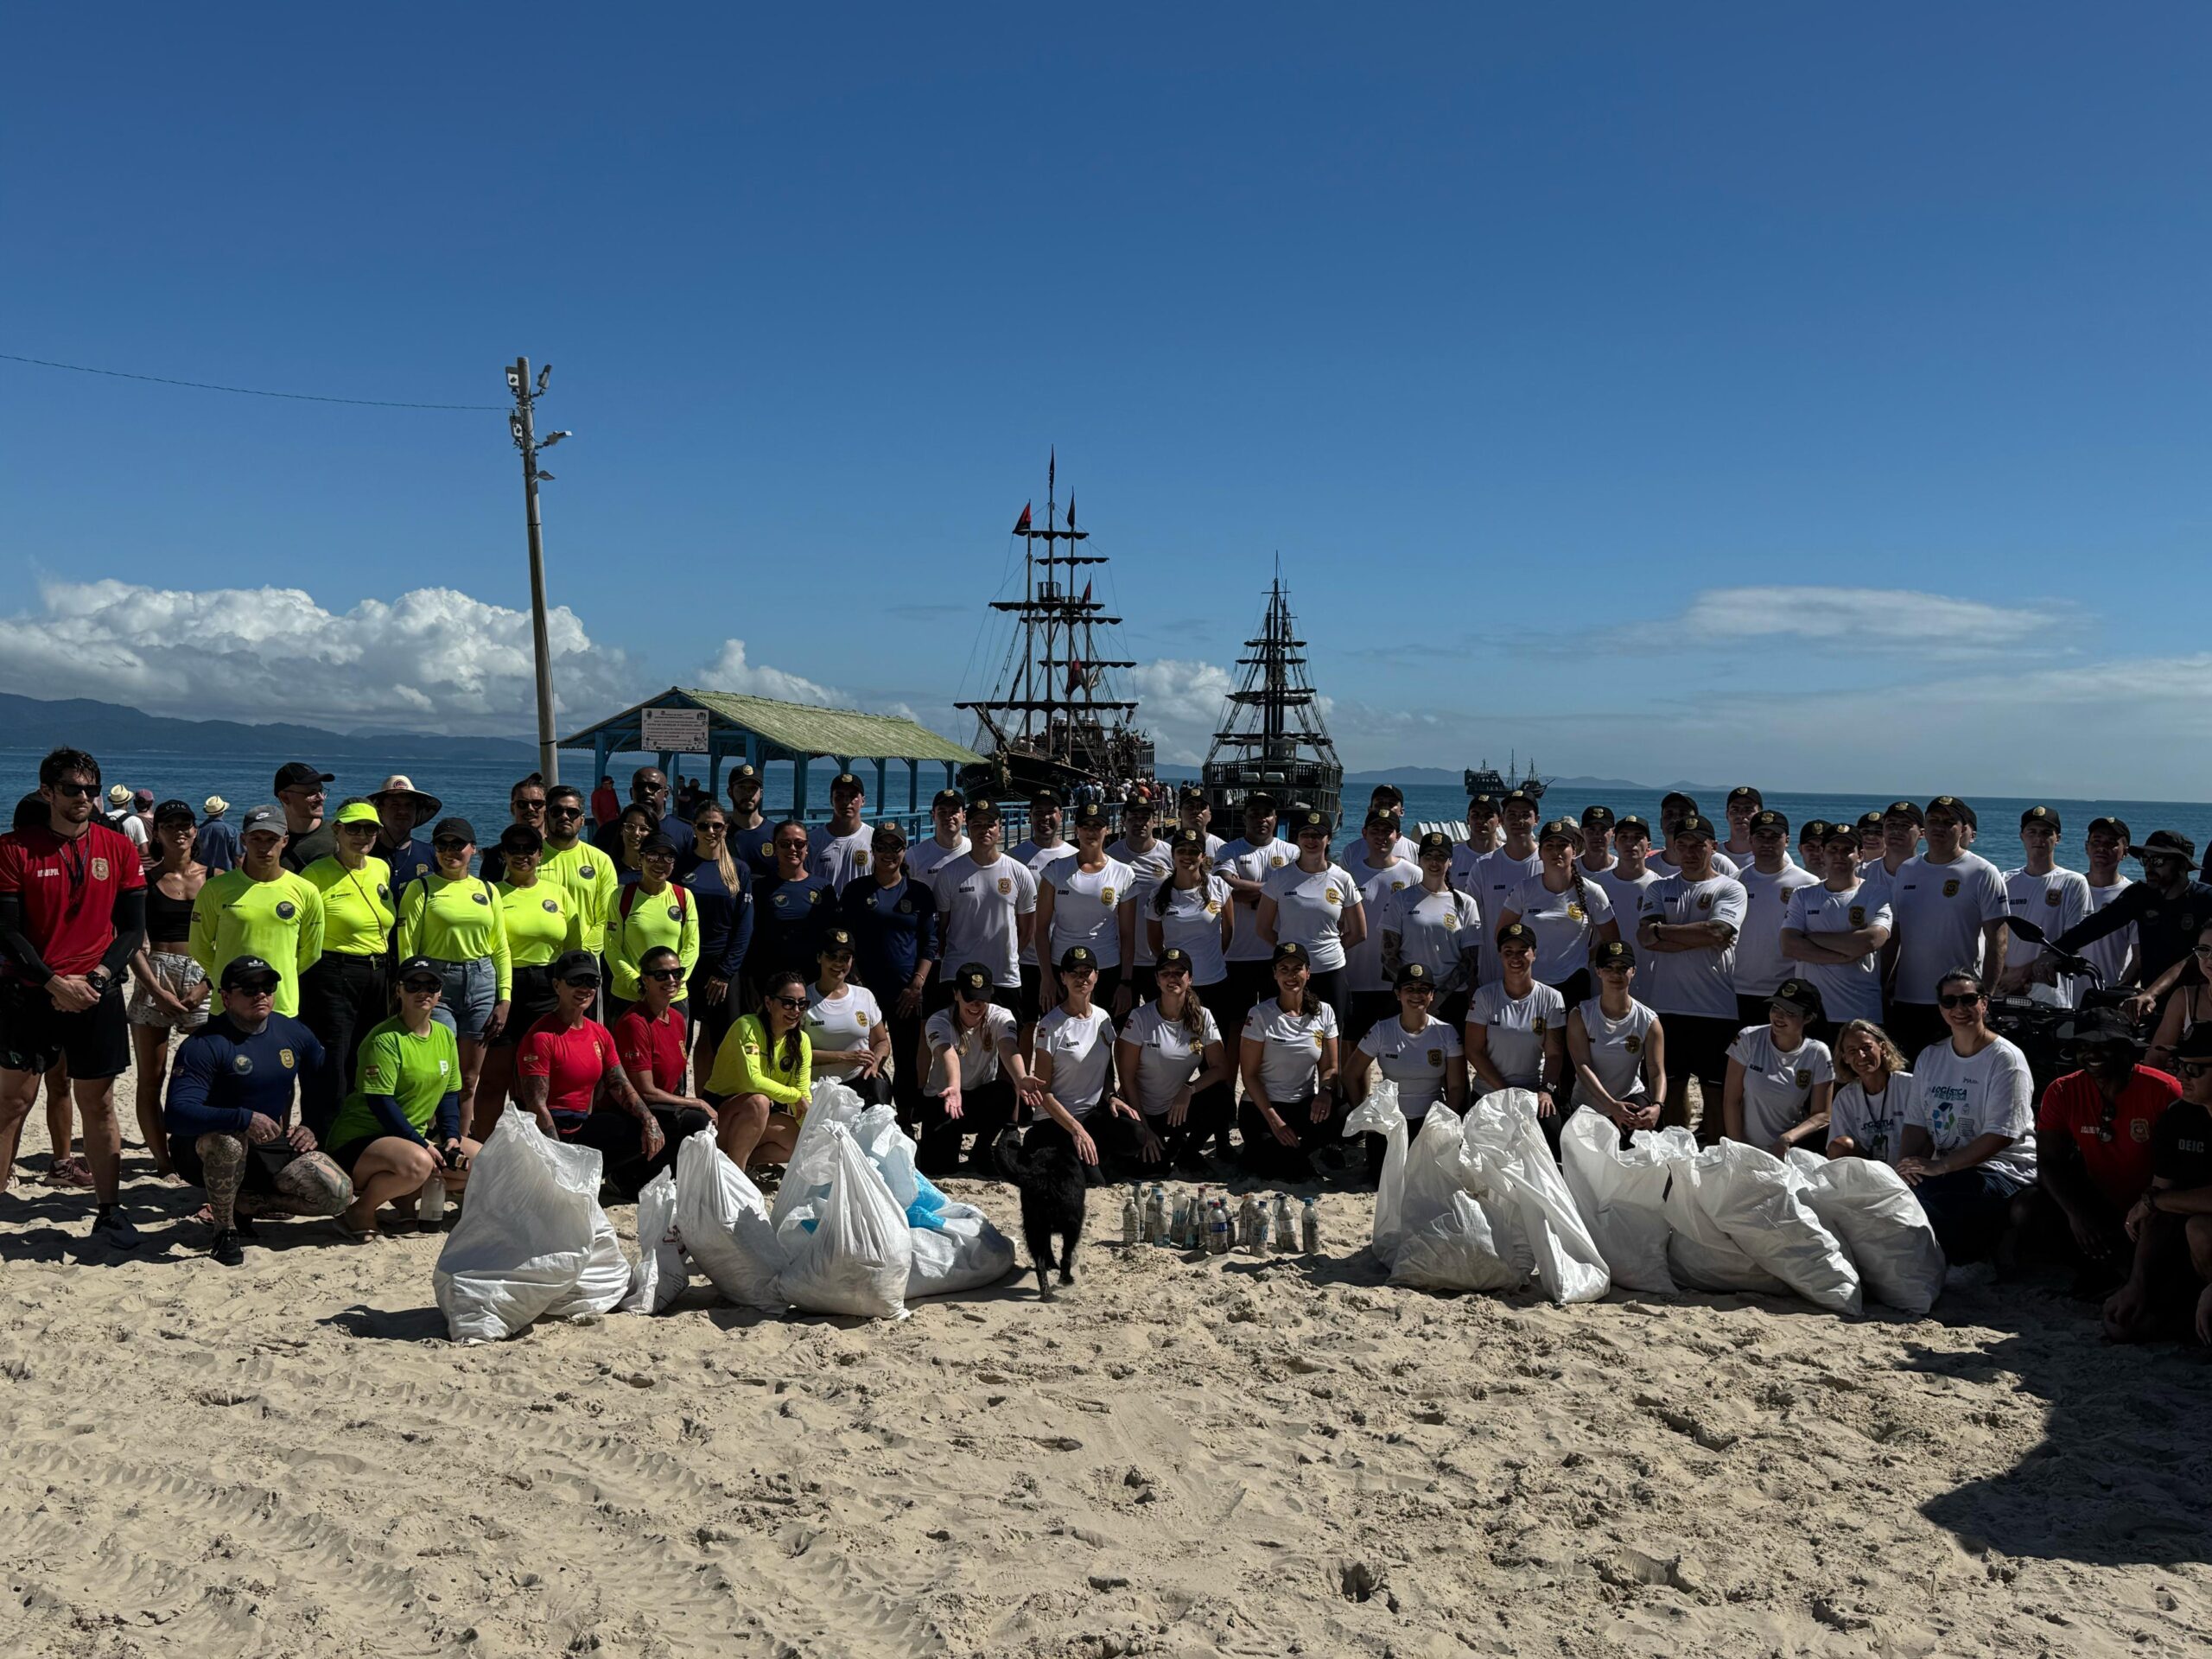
{"points": [[1436, 1057], [1106, 896], [1451, 921], [675, 912], [1332, 895], [480, 898], [552, 906], [241, 1064], [861, 1020], [1277, 862], [585, 871], [905, 906], [814, 895], [1574, 912], [286, 910], [780, 898], [1397, 887], [2051, 897], [1951, 887]]}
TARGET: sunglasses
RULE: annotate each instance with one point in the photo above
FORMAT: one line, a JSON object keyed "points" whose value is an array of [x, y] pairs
{"points": [[660, 973], [564, 812], [357, 828], [797, 1004], [259, 987], [1958, 1000], [658, 858], [2193, 1068], [589, 982], [712, 827], [2204, 951], [450, 844], [529, 806], [78, 791], [422, 984]]}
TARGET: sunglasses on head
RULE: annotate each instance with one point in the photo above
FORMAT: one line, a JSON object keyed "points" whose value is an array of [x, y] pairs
{"points": [[420, 983], [1959, 999]]}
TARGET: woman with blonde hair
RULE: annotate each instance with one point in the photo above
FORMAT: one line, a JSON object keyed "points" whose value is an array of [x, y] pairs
{"points": [[1866, 1118]]}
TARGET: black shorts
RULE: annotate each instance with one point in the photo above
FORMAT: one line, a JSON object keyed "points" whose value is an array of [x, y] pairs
{"points": [[33, 1034], [349, 1154], [1031, 1009], [261, 1164]]}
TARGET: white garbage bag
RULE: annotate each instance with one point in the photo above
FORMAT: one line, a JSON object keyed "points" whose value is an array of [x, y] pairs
{"points": [[1505, 1142], [806, 1176], [1751, 1195], [1379, 1114], [662, 1273], [532, 1241], [1449, 1238], [961, 1251], [724, 1223], [1699, 1252], [850, 1249], [1621, 1196], [1873, 1212]]}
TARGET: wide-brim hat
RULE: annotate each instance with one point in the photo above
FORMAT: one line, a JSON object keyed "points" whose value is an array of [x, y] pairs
{"points": [[427, 806]]}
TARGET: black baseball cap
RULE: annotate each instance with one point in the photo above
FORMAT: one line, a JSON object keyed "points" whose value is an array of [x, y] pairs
{"points": [[890, 831], [1696, 824], [1412, 974], [1482, 804], [1433, 842], [1745, 795], [743, 773], [1904, 810], [250, 974], [1871, 820], [1183, 839], [982, 809], [973, 982], [2042, 815], [1045, 798], [448, 828], [1839, 832], [1091, 815], [1133, 808], [1957, 808], [945, 797], [1565, 829], [1258, 804], [1308, 819], [1814, 831], [1174, 956], [1767, 818], [1801, 996], [1380, 818], [836, 942], [1291, 951], [1517, 798], [415, 966], [1078, 956], [293, 773], [847, 780], [263, 817], [1631, 823], [575, 968], [1516, 933], [1192, 795], [2115, 826], [2166, 844], [656, 845], [1596, 817], [1613, 953], [1676, 797]]}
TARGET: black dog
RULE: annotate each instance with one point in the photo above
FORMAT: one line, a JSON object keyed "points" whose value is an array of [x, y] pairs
{"points": [[1050, 1178]]}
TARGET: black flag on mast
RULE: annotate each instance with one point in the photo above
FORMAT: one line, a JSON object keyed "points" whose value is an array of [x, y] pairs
{"points": [[1070, 510]]}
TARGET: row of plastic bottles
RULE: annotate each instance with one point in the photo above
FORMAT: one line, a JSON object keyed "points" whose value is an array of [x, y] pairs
{"points": [[1201, 1221]]}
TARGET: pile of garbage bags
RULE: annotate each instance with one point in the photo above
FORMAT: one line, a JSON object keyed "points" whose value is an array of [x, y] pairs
{"points": [[1666, 1215]]}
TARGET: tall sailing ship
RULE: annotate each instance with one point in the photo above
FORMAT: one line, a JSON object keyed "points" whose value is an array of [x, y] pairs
{"points": [[1056, 719], [1487, 780], [1272, 738]]}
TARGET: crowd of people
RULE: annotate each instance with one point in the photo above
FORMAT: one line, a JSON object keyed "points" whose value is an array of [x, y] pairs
{"points": [[361, 990]]}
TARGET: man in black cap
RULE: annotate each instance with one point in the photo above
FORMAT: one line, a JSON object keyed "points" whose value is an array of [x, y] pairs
{"points": [[1389, 800], [1685, 937], [751, 837], [1742, 804], [300, 792], [841, 847], [2172, 1222], [2103, 846], [1768, 878], [2093, 1132], [1498, 874], [2053, 898], [1628, 874], [947, 839], [1193, 812], [1870, 835], [1901, 827], [1483, 837], [989, 905], [229, 1114], [1675, 809], [2168, 907], [1949, 909], [1597, 841]]}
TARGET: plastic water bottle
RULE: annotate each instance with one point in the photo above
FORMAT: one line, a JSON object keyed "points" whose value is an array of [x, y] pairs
{"points": [[1257, 1244], [1155, 1215], [1285, 1231], [1218, 1229], [1201, 1208], [1248, 1221], [1178, 1225], [431, 1207], [1132, 1218], [1309, 1228]]}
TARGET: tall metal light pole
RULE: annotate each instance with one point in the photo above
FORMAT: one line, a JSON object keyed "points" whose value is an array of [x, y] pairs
{"points": [[523, 424]]}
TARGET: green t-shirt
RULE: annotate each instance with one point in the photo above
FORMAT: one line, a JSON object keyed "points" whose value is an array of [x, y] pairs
{"points": [[417, 1071], [279, 920], [669, 917], [588, 876], [454, 919], [357, 911], [538, 920]]}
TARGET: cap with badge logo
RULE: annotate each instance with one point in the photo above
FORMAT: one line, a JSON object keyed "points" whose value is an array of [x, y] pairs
{"points": [[1959, 811], [836, 942], [847, 783], [2042, 818], [982, 810], [1841, 832], [1633, 823], [1434, 843], [973, 983], [1192, 795], [1596, 817], [2111, 827], [1415, 975], [1800, 996], [1310, 820], [948, 798], [1904, 810], [1517, 797], [1871, 820], [1091, 815], [1291, 951], [1694, 827], [249, 974], [1174, 960], [1564, 830], [1078, 958], [1516, 933], [1613, 953], [1766, 819], [1482, 805], [1188, 840], [1745, 795]]}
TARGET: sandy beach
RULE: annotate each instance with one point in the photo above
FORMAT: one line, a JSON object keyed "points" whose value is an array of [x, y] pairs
{"points": [[1180, 1456]]}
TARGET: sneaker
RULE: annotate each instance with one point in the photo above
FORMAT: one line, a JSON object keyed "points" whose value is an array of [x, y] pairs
{"points": [[113, 1229], [226, 1250], [70, 1172]]}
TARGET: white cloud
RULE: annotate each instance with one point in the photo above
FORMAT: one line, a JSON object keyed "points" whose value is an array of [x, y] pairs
{"points": [[1869, 617], [433, 658], [734, 671], [1181, 704]]}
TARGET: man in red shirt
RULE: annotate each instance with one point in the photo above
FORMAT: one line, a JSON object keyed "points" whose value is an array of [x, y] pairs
{"points": [[2093, 1135], [569, 1075], [73, 910]]}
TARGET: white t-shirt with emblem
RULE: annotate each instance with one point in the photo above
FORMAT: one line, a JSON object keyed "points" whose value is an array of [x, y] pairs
{"points": [[1441, 931], [1167, 1057], [1290, 1046], [1563, 923], [980, 905], [1087, 907], [1626, 893], [978, 1046], [1702, 981], [2054, 903], [1191, 923], [1874, 1124], [1247, 862], [848, 1020], [839, 859], [1617, 1050], [1659, 864], [1496, 877], [1417, 1061], [1849, 990], [2110, 953], [1517, 1027], [1377, 889], [1941, 910], [1151, 868], [1760, 965], [1353, 853], [1036, 860], [924, 857], [1777, 1086], [1958, 1099], [1310, 906], [1082, 1058]]}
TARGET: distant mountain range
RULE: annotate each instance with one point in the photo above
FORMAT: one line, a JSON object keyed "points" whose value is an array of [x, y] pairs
{"points": [[31, 724]]}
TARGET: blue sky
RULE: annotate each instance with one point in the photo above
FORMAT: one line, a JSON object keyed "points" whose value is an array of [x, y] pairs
{"points": [[1816, 396]]}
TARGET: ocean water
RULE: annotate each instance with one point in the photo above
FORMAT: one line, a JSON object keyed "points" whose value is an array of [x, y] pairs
{"points": [[478, 791]]}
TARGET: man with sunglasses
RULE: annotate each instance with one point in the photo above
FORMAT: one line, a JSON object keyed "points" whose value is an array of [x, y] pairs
{"points": [[73, 910], [2168, 907], [308, 835], [525, 807], [229, 1114], [2094, 1133], [1970, 1144], [2170, 1270], [260, 909], [568, 1075], [585, 873]]}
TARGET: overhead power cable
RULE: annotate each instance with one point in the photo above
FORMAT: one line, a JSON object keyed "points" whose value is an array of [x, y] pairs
{"points": [[245, 392]]}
